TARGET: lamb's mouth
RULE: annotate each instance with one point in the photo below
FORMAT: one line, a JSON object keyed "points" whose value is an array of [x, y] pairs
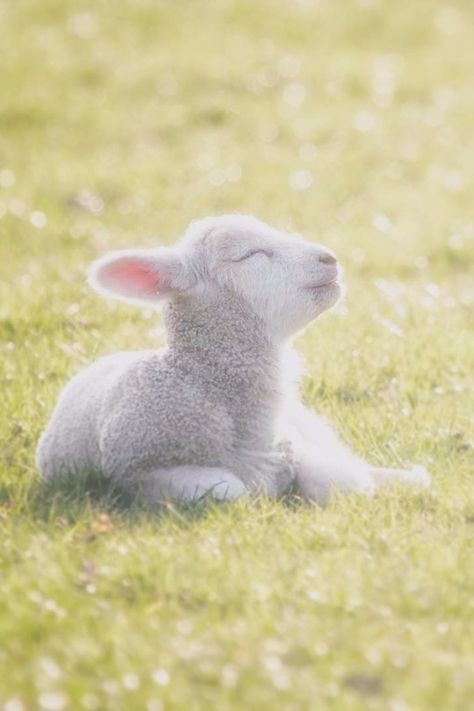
{"points": [[325, 284]]}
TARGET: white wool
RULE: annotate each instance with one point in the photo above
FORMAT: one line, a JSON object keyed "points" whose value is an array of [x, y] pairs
{"points": [[217, 412]]}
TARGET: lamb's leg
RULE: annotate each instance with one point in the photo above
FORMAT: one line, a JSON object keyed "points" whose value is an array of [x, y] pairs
{"points": [[324, 462], [418, 476], [317, 475], [191, 483]]}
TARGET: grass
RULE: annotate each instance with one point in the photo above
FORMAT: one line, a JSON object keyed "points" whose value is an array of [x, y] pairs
{"points": [[352, 123]]}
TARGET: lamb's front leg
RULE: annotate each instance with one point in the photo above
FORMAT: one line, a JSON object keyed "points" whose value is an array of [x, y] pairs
{"points": [[316, 476], [319, 472], [325, 463], [418, 476]]}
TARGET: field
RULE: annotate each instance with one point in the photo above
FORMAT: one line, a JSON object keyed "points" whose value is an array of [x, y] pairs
{"points": [[351, 123]]}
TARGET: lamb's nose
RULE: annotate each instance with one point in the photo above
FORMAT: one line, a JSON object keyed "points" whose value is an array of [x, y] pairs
{"points": [[327, 258]]}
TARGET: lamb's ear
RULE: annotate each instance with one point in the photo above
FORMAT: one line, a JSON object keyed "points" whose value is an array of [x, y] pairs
{"points": [[140, 276]]}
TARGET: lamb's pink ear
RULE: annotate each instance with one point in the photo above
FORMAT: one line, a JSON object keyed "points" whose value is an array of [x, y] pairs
{"points": [[139, 275]]}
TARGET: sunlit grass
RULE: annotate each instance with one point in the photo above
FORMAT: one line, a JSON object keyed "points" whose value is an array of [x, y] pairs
{"points": [[352, 123]]}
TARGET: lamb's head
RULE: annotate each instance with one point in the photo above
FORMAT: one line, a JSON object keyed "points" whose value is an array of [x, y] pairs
{"points": [[283, 280]]}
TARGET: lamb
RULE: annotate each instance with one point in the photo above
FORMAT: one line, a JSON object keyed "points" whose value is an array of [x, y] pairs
{"points": [[214, 414]]}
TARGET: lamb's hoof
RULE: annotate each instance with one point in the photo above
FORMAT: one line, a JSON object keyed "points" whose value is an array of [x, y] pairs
{"points": [[418, 476]]}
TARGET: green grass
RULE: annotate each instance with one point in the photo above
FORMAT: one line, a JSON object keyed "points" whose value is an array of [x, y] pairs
{"points": [[164, 111]]}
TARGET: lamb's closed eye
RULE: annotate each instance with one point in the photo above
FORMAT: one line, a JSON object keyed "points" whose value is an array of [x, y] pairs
{"points": [[253, 253]]}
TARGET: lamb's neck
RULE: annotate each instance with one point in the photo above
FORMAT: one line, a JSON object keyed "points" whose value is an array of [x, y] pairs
{"points": [[224, 343]]}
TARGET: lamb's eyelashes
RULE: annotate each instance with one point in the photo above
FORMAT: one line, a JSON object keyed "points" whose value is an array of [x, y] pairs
{"points": [[252, 253]]}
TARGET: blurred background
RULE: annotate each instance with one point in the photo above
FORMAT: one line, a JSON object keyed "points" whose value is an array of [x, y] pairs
{"points": [[348, 120]]}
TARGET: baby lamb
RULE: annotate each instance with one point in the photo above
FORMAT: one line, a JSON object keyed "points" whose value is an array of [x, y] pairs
{"points": [[214, 414]]}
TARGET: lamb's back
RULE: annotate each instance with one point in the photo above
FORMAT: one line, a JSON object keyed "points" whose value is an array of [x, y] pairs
{"points": [[70, 441], [132, 412]]}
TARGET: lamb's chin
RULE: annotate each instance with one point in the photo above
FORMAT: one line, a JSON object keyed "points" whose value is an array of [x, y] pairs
{"points": [[328, 295]]}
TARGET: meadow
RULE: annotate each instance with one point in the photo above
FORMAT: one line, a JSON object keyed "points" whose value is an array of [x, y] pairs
{"points": [[352, 124]]}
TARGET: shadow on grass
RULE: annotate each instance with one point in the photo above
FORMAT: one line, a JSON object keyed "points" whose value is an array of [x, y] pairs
{"points": [[71, 498]]}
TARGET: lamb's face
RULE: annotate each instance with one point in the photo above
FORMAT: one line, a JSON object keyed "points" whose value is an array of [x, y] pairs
{"points": [[287, 282]]}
